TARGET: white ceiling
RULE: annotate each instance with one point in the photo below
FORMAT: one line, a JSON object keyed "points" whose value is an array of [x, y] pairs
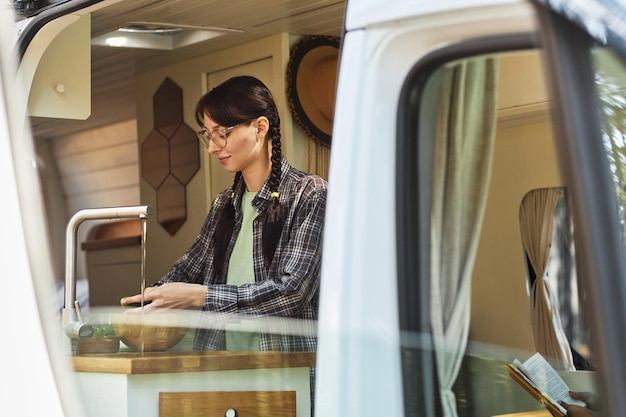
{"points": [[114, 69]]}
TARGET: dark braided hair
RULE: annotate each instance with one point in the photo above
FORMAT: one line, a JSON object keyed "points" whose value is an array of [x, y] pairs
{"points": [[240, 100]]}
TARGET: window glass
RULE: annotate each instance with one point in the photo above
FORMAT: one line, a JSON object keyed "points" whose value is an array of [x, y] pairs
{"points": [[485, 140], [154, 356], [142, 360], [610, 77]]}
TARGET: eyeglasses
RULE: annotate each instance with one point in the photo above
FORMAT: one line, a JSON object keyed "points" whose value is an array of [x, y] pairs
{"points": [[218, 136]]}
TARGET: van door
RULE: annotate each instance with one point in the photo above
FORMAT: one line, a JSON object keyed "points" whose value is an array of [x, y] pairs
{"points": [[457, 234], [586, 51]]}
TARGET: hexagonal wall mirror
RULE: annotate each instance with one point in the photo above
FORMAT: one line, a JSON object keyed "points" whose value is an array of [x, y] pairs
{"points": [[170, 156]]}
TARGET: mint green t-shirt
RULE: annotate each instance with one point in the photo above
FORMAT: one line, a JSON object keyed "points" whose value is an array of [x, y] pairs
{"points": [[241, 271]]}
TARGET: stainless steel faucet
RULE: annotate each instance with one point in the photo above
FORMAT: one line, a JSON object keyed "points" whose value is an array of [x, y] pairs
{"points": [[72, 320]]}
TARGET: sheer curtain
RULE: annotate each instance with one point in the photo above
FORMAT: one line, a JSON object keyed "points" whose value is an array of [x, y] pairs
{"points": [[464, 149], [536, 222]]}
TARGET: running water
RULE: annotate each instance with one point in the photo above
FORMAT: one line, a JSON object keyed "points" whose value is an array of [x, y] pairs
{"points": [[144, 233]]}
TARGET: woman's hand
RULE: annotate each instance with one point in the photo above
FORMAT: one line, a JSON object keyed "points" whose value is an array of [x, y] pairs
{"points": [[178, 295], [578, 411], [591, 400]]}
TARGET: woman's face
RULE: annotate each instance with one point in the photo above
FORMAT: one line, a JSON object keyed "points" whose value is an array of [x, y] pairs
{"points": [[245, 145]]}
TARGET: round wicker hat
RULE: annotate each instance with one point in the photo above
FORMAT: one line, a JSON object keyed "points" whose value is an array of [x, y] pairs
{"points": [[311, 85]]}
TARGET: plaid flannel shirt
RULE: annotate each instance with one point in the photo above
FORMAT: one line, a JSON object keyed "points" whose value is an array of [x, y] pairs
{"points": [[288, 287]]}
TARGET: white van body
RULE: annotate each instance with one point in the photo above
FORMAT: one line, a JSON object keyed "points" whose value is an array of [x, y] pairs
{"points": [[20, 242], [359, 359], [382, 44]]}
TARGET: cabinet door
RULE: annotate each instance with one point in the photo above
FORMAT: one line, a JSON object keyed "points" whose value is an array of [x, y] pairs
{"points": [[228, 403]]}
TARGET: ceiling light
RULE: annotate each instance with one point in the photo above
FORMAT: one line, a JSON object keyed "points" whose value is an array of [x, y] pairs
{"points": [[154, 35]]}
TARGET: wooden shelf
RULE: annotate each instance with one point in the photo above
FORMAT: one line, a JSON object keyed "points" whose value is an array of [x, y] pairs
{"points": [[92, 245]]}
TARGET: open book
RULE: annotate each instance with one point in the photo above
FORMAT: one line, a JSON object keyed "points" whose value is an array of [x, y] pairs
{"points": [[542, 381]]}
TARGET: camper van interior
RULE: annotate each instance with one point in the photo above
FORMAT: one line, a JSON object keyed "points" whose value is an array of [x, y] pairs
{"points": [[99, 110], [92, 105]]}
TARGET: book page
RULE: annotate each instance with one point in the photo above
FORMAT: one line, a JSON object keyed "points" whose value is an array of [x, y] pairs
{"points": [[546, 378], [516, 368]]}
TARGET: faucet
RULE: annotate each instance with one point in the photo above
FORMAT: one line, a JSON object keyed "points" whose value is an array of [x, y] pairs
{"points": [[73, 323]]}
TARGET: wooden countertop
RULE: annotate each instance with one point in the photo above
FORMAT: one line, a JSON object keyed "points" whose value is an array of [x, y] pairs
{"points": [[135, 363]]}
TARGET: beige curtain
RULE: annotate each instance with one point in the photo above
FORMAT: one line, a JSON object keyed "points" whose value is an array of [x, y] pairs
{"points": [[536, 221], [319, 158], [464, 149]]}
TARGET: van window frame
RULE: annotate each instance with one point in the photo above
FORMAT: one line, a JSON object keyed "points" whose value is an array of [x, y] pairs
{"points": [[579, 138], [414, 172], [47, 15]]}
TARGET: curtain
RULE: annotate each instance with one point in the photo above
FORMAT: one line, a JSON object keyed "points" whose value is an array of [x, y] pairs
{"points": [[463, 156], [319, 158], [536, 221]]}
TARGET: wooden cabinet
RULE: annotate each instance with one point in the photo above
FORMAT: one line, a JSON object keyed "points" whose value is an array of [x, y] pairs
{"points": [[183, 384], [113, 271], [245, 403], [113, 257]]}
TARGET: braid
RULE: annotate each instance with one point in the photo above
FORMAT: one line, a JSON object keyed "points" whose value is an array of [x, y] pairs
{"points": [[223, 232], [277, 156], [273, 224], [240, 100]]}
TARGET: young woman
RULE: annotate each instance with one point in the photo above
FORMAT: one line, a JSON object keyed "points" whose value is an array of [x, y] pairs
{"points": [[259, 250]]}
